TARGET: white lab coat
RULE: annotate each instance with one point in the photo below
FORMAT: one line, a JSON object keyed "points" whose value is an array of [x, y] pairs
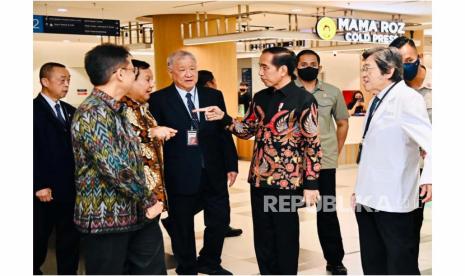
{"points": [[388, 176]]}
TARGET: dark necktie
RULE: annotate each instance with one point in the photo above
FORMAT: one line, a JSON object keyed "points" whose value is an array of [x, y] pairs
{"points": [[191, 106], [370, 113], [59, 116]]}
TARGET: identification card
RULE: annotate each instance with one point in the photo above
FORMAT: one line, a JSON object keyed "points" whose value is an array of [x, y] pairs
{"points": [[192, 138]]}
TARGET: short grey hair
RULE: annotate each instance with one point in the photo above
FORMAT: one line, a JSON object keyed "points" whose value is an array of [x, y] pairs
{"points": [[387, 58], [178, 55]]}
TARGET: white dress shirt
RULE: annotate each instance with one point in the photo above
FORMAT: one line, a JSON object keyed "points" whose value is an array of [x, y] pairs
{"points": [[194, 98], [52, 104], [388, 175]]}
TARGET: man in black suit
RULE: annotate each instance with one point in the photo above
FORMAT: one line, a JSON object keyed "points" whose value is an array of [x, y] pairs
{"points": [[196, 167], [54, 190]]}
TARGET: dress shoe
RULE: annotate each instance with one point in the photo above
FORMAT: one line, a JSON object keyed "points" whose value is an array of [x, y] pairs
{"points": [[336, 269], [233, 232], [218, 270]]}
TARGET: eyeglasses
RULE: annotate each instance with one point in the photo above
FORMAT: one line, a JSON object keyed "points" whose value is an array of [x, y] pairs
{"points": [[135, 70], [365, 69]]}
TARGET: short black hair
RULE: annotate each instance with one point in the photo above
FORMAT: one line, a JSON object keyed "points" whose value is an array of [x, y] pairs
{"points": [[45, 69], [244, 83], [103, 60], [387, 58], [204, 77], [308, 52], [401, 41], [140, 64], [283, 57]]}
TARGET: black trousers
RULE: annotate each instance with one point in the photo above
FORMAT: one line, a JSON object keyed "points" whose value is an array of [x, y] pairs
{"points": [[329, 231], [276, 232], [387, 241], [215, 204], [419, 223], [48, 215], [138, 252]]}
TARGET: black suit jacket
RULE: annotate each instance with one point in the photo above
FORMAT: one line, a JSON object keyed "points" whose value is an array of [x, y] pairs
{"points": [[53, 161], [183, 164]]}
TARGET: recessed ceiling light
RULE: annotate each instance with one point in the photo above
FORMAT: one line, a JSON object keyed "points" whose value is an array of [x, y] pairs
{"points": [[66, 41], [62, 10], [296, 10]]}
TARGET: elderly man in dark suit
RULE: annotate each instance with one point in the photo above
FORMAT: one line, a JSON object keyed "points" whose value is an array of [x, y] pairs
{"points": [[196, 168], [53, 166]]}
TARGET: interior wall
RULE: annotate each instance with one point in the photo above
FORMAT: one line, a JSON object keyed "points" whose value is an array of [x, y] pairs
{"points": [[220, 59], [342, 70], [72, 56]]}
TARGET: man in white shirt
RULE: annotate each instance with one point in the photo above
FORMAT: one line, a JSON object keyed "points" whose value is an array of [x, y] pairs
{"points": [[387, 186]]}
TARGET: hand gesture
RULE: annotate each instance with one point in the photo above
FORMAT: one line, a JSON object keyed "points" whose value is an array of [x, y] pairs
{"points": [[212, 113], [162, 133]]}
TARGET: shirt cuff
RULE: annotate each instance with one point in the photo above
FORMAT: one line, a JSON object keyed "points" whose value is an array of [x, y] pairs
{"points": [[147, 203], [227, 120]]}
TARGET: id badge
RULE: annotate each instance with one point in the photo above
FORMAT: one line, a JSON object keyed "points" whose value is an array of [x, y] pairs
{"points": [[192, 138]]}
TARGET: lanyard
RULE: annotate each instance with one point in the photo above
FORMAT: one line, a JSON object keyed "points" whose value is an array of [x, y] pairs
{"points": [[371, 114]]}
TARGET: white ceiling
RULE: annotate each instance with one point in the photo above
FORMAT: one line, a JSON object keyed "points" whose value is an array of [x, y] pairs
{"points": [[410, 11]]}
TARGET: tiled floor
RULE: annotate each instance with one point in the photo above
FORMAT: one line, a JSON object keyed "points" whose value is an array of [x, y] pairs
{"points": [[238, 252]]}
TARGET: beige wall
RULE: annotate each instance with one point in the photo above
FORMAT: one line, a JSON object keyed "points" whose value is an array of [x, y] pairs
{"points": [[220, 59], [72, 56]]}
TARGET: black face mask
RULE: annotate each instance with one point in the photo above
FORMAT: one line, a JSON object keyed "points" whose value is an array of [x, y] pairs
{"points": [[308, 73]]}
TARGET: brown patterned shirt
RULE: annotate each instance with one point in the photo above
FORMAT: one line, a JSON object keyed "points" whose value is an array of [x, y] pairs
{"points": [[142, 120]]}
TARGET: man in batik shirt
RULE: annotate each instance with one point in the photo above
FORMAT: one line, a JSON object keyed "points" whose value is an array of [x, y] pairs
{"points": [[114, 207], [286, 159], [151, 137]]}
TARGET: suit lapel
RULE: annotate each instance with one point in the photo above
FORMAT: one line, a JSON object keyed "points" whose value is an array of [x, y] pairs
{"points": [[49, 111], [177, 104]]}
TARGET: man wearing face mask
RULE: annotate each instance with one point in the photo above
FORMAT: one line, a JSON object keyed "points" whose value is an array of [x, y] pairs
{"points": [[417, 77], [331, 106]]}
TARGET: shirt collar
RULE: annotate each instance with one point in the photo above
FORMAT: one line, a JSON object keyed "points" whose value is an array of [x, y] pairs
{"points": [[318, 86], [183, 92], [286, 90], [111, 102], [381, 94], [130, 102], [133, 104], [427, 82], [49, 100]]}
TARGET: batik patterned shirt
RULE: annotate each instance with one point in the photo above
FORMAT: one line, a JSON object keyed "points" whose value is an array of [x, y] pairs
{"points": [[151, 149], [286, 151], [111, 193]]}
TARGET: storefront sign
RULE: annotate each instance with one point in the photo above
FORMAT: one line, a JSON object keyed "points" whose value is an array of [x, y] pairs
{"points": [[81, 91], [326, 28], [75, 25], [365, 30]]}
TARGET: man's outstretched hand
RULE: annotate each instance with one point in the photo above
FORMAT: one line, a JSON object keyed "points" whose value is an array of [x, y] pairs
{"points": [[212, 113]]}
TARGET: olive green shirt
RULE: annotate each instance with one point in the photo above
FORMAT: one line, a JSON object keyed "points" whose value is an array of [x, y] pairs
{"points": [[331, 106]]}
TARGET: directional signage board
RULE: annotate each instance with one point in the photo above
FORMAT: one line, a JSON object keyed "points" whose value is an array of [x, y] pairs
{"points": [[75, 25]]}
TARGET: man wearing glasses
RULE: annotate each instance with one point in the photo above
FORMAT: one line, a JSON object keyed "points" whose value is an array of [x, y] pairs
{"points": [[114, 206]]}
